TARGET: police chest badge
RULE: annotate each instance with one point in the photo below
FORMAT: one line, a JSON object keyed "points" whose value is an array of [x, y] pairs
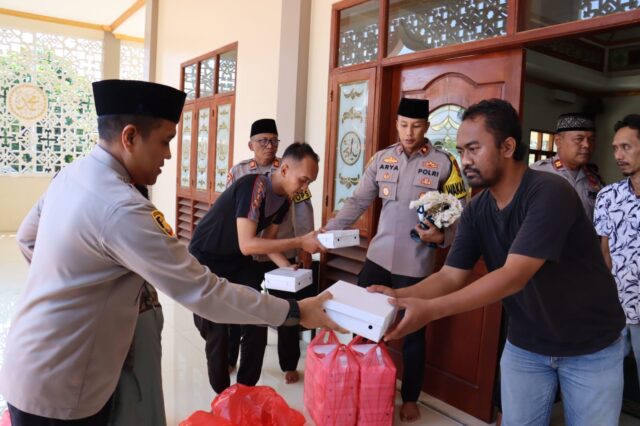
{"points": [[159, 220]]}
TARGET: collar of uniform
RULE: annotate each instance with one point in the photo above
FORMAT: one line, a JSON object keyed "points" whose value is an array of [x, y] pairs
{"points": [[105, 157], [424, 150]]}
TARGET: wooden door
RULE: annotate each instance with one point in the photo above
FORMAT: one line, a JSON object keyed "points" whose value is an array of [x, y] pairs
{"points": [[462, 351], [349, 147], [185, 180]]}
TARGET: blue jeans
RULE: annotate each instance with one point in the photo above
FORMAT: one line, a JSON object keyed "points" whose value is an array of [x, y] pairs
{"points": [[591, 386], [632, 342]]}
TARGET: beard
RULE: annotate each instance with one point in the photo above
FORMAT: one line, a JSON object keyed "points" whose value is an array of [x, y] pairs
{"points": [[477, 180]]}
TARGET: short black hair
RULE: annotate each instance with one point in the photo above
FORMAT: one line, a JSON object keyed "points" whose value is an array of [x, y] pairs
{"points": [[501, 121], [110, 126], [299, 150], [631, 121]]}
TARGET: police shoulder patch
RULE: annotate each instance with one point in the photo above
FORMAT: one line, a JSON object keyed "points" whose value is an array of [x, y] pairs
{"points": [[159, 220], [302, 196], [454, 184]]}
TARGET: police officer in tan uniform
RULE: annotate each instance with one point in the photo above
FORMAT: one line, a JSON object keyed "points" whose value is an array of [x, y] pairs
{"points": [[398, 175], [92, 240], [575, 139], [263, 143]]}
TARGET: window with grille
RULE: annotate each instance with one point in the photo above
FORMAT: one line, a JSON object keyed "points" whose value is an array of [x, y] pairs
{"points": [[131, 60], [47, 115]]}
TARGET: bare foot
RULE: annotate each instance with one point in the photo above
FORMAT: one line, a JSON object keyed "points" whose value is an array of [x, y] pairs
{"points": [[232, 368], [409, 412], [291, 377]]}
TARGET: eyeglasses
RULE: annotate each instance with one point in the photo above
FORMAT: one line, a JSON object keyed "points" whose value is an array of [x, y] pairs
{"points": [[264, 142]]}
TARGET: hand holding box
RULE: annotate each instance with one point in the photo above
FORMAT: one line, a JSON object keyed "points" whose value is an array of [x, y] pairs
{"points": [[288, 279], [337, 239], [354, 308]]}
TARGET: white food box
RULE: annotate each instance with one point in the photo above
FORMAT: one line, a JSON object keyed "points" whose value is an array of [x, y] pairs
{"points": [[337, 239], [363, 313], [288, 279]]}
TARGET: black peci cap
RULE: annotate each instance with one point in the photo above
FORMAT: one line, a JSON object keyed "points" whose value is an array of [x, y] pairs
{"points": [[264, 125], [414, 108], [132, 97]]}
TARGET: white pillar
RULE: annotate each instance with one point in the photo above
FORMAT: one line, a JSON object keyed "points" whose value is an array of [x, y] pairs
{"points": [[292, 75]]}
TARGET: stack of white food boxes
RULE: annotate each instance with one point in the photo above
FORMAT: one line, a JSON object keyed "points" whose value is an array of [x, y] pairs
{"points": [[337, 239], [359, 311], [288, 279]]}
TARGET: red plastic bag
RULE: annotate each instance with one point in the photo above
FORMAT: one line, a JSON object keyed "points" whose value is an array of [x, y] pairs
{"points": [[255, 406], [331, 381], [202, 418], [6, 419], [377, 391]]}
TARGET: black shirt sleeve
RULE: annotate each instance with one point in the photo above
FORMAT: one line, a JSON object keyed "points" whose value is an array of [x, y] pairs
{"points": [[465, 250], [249, 198], [551, 209]]}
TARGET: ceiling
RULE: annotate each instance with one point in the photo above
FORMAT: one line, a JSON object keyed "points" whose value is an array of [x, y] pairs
{"points": [[102, 13]]}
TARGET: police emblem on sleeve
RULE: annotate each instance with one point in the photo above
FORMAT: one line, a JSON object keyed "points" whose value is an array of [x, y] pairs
{"points": [[159, 220], [302, 196], [454, 184]]}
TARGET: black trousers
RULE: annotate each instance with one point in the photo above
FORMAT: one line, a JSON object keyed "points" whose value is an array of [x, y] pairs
{"points": [[20, 418], [253, 338], [288, 337], [413, 345]]}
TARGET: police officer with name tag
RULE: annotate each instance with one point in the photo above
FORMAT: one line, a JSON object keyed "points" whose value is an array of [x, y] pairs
{"points": [[398, 175], [298, 221], [575, 139], [92, 240]]}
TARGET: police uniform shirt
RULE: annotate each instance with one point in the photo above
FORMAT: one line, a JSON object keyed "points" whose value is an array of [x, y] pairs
{"points": [[586, 182], [97, 240], [299, 219], [398, 180], [250, 197]]}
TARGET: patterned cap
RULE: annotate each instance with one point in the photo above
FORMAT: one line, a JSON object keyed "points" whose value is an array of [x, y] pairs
{"points": [[575, 121]]}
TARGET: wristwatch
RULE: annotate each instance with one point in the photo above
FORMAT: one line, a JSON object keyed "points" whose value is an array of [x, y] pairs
{"points": [[293, 316]]}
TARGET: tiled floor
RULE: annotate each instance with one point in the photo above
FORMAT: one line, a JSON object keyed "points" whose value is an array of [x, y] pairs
{"points": [[186, 387]]}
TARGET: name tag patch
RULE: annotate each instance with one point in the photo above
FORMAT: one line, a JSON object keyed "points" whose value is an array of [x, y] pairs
{"points": [[302, 196]]}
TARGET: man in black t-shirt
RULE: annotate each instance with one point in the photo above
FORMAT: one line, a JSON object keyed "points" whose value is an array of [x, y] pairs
{"points": [[545, 265], [226, 240]]}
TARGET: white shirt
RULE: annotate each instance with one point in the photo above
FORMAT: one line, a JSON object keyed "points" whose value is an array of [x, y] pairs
{"points": [[617, 217], [91, 241]]}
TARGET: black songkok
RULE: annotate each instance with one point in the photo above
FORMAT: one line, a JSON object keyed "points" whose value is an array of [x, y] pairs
{"points": [[264, 125], [132, 97], [574, 121], [414, 108]]}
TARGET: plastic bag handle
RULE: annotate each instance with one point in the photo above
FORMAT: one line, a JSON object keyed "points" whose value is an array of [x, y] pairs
{"points": [[332, 338]]}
